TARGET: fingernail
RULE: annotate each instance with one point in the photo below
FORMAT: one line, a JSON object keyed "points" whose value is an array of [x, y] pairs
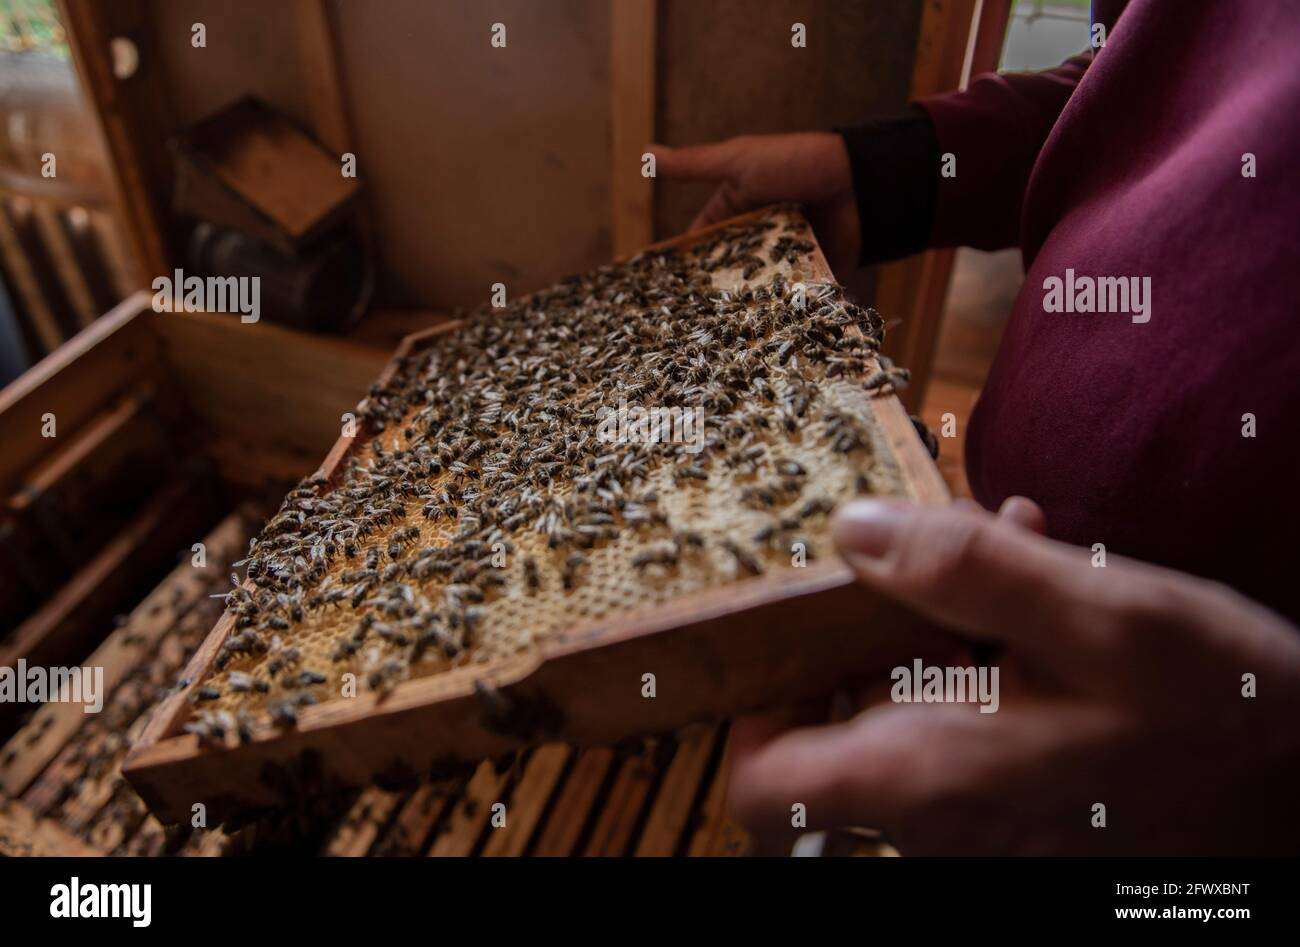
{"points": [[865, 529]]}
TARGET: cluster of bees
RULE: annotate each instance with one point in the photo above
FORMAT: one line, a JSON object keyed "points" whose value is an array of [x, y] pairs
{"points": [[483, 476]]}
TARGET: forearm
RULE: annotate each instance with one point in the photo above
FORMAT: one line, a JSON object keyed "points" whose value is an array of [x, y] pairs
{"points": [[895, 165], [952, 169], [989, 138]]}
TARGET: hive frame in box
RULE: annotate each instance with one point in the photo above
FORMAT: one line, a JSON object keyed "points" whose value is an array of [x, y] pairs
{"points": [[742, 646]]}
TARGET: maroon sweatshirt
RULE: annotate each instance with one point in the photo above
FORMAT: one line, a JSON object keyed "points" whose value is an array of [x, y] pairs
{"points": [[1127, 427]]}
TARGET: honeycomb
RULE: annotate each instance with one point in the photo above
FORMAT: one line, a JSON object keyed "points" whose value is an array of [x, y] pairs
{"points": [[771, 479]]}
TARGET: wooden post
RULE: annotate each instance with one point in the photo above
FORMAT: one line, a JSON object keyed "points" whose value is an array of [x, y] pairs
{"points": [[913, 289], [632, 101], [322, 77], [331, 121], [134, 117]]}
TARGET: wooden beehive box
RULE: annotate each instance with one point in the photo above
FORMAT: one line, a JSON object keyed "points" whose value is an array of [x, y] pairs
{"points": [[716, 642], [61, 789], [251, 169]]}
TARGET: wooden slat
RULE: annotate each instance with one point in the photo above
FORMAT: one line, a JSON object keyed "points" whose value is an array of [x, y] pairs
{"points": [[90, 259], [614, 829], [528, 801], [416, 819], [58, 192], [86, 772], [572, 810], [149, 840], [674, 802], [714, 833], [64, 258], [363, 823], [51, 784], [118, 822], [324, 81], [632, 28], [87, 799], [471, 814], [24, 834], [44, 325]]}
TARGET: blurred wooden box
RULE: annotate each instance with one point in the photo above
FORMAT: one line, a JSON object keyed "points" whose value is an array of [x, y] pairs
{"points": [[250, 169], [145, 408]]}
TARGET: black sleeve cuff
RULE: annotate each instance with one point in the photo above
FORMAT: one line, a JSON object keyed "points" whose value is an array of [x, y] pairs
{"points": [[895, 165]]}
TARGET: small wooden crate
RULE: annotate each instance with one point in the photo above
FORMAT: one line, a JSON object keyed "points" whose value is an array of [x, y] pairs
{"points": [[751, 643]]}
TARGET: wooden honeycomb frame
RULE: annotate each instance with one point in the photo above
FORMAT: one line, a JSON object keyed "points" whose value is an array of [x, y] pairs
{"points": [[755, 642]]}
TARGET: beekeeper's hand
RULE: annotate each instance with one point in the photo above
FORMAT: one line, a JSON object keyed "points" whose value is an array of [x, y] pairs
{"points": [[1171, 701], [752, 171]]}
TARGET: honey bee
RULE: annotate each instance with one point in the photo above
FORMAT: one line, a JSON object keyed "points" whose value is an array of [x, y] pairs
{"points": [[743, 557], [664, 554]]}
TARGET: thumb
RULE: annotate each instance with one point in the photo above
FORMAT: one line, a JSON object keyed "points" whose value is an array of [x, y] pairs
{"points": [[968, 571], [711, 162], [1025, 513]]}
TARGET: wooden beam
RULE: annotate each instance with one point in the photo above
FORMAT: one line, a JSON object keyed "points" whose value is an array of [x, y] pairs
{"points": [[322, 76], [958, 39], [325, 82], [134, 117], [912, 290], [632, 101], [990, 36]]}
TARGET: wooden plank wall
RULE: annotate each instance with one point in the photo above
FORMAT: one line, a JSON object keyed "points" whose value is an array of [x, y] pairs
{"points": [[521, 164], [727, 67]]}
